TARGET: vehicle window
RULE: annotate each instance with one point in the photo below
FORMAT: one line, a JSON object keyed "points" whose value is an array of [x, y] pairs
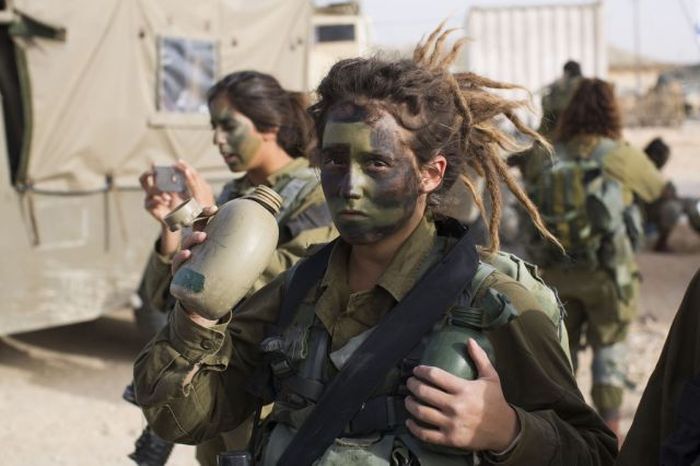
{"points": [[335, 33], [187, 68]]}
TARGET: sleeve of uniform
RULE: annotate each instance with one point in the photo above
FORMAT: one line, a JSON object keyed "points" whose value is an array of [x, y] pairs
{"points": [[557, 426], [658, 411], [156, 280], [191, 381], [634, 169]]}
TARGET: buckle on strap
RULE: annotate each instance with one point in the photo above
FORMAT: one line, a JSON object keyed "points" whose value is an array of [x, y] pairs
{"points": [[273, 351], [380, 414]]}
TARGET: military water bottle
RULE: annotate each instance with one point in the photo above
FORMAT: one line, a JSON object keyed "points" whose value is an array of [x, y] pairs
{"points": [[447, 348], [241, 239]]}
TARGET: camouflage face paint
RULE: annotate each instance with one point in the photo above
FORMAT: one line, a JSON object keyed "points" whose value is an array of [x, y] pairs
{"points": [[234, 134], [369, 178]]}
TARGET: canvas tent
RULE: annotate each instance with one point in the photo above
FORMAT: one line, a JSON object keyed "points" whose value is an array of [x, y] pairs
{"points": [[104, 100]]}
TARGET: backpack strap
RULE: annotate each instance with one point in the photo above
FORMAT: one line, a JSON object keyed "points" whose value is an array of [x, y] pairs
{"points": [[302, 277], [299, 185], [483, 271], [604, 146]]}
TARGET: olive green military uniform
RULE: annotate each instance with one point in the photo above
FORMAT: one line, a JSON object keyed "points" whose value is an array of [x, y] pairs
{"points": [[659, 413], [555, 100], [592, 299], [304, 221], [191, 380]]}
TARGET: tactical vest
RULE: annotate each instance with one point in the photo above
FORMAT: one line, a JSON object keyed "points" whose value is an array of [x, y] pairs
{"points": [[585, 209], [302, 365]]}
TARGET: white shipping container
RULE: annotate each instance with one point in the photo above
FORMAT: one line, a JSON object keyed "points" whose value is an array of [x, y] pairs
{"points": [[528, 45]]}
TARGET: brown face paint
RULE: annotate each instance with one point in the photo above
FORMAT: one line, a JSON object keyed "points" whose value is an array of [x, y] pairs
{"points": [[234, 134], [369, 178]]}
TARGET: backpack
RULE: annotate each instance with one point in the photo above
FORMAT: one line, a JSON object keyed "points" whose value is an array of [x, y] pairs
{"points": [[527, 275], [585, 209], [579, 204]]}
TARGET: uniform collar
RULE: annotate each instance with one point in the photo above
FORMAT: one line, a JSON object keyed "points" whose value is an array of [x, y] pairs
{"points": [[284, 172], [288, 170], [403, 271]]}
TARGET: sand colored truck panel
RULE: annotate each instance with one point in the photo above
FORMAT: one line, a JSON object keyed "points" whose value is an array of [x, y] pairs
{"points": [[107, 88]]}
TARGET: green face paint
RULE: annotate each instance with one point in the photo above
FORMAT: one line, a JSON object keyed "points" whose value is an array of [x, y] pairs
{"points": [[369, 178], [234, 134]]}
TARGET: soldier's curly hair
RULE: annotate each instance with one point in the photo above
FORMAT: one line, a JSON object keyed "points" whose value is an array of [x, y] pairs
{"points": [[592, 110], [451, 114]]}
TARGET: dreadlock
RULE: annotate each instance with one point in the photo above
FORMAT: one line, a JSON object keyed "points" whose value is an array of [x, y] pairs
{"points": [[451, 114]]}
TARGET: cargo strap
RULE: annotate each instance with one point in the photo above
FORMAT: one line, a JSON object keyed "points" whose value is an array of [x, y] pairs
{"points": [[603, 147]]}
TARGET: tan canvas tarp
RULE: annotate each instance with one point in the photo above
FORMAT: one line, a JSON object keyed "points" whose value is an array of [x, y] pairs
{"points": [[93, 96]]}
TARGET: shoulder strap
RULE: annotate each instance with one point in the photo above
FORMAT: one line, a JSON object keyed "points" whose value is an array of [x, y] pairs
{"points": [[604, 146], [294, 191], [483, 271], [415, 315], [303, 275]]}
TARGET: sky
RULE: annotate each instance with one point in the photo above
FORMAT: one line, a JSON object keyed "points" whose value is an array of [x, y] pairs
{"points": [[666, 25]]}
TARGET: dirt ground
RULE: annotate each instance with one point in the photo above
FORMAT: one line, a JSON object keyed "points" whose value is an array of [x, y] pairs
{"points": [[60, 389]]}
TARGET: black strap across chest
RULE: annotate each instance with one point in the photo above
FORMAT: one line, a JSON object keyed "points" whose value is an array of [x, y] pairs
{"points": [[396, 334]]}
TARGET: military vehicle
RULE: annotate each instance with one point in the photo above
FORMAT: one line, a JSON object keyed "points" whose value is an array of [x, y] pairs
{"points": [[92, 94]]}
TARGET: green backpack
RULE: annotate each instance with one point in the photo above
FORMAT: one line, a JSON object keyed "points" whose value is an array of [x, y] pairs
{"points": [[579, 204], [585, 209]]}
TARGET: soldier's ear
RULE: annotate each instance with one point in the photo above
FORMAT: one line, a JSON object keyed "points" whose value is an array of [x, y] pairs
{"points": [[432, 173], [270, 134]]}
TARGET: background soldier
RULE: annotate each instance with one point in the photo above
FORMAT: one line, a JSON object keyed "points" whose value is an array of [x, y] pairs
{"points": [[663, 214], [557, 97], [585, 196]]}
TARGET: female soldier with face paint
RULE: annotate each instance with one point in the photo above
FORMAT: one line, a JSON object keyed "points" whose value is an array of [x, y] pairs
{"points": [[395, 135], [264, 131], [598, 278]]}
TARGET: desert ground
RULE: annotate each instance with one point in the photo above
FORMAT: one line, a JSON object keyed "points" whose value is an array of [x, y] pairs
{"points": [[60, 389]]}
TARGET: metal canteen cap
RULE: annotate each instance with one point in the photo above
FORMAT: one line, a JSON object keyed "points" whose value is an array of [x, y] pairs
{"points": [[267, 197], [183, 215]]}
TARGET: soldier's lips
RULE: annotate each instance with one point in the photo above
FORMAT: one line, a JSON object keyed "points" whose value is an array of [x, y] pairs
{"points": [[231, 158], [349, 213]]}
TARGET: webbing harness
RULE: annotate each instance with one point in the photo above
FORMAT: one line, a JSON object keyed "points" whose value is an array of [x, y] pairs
{"points": [[344, 397]]}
